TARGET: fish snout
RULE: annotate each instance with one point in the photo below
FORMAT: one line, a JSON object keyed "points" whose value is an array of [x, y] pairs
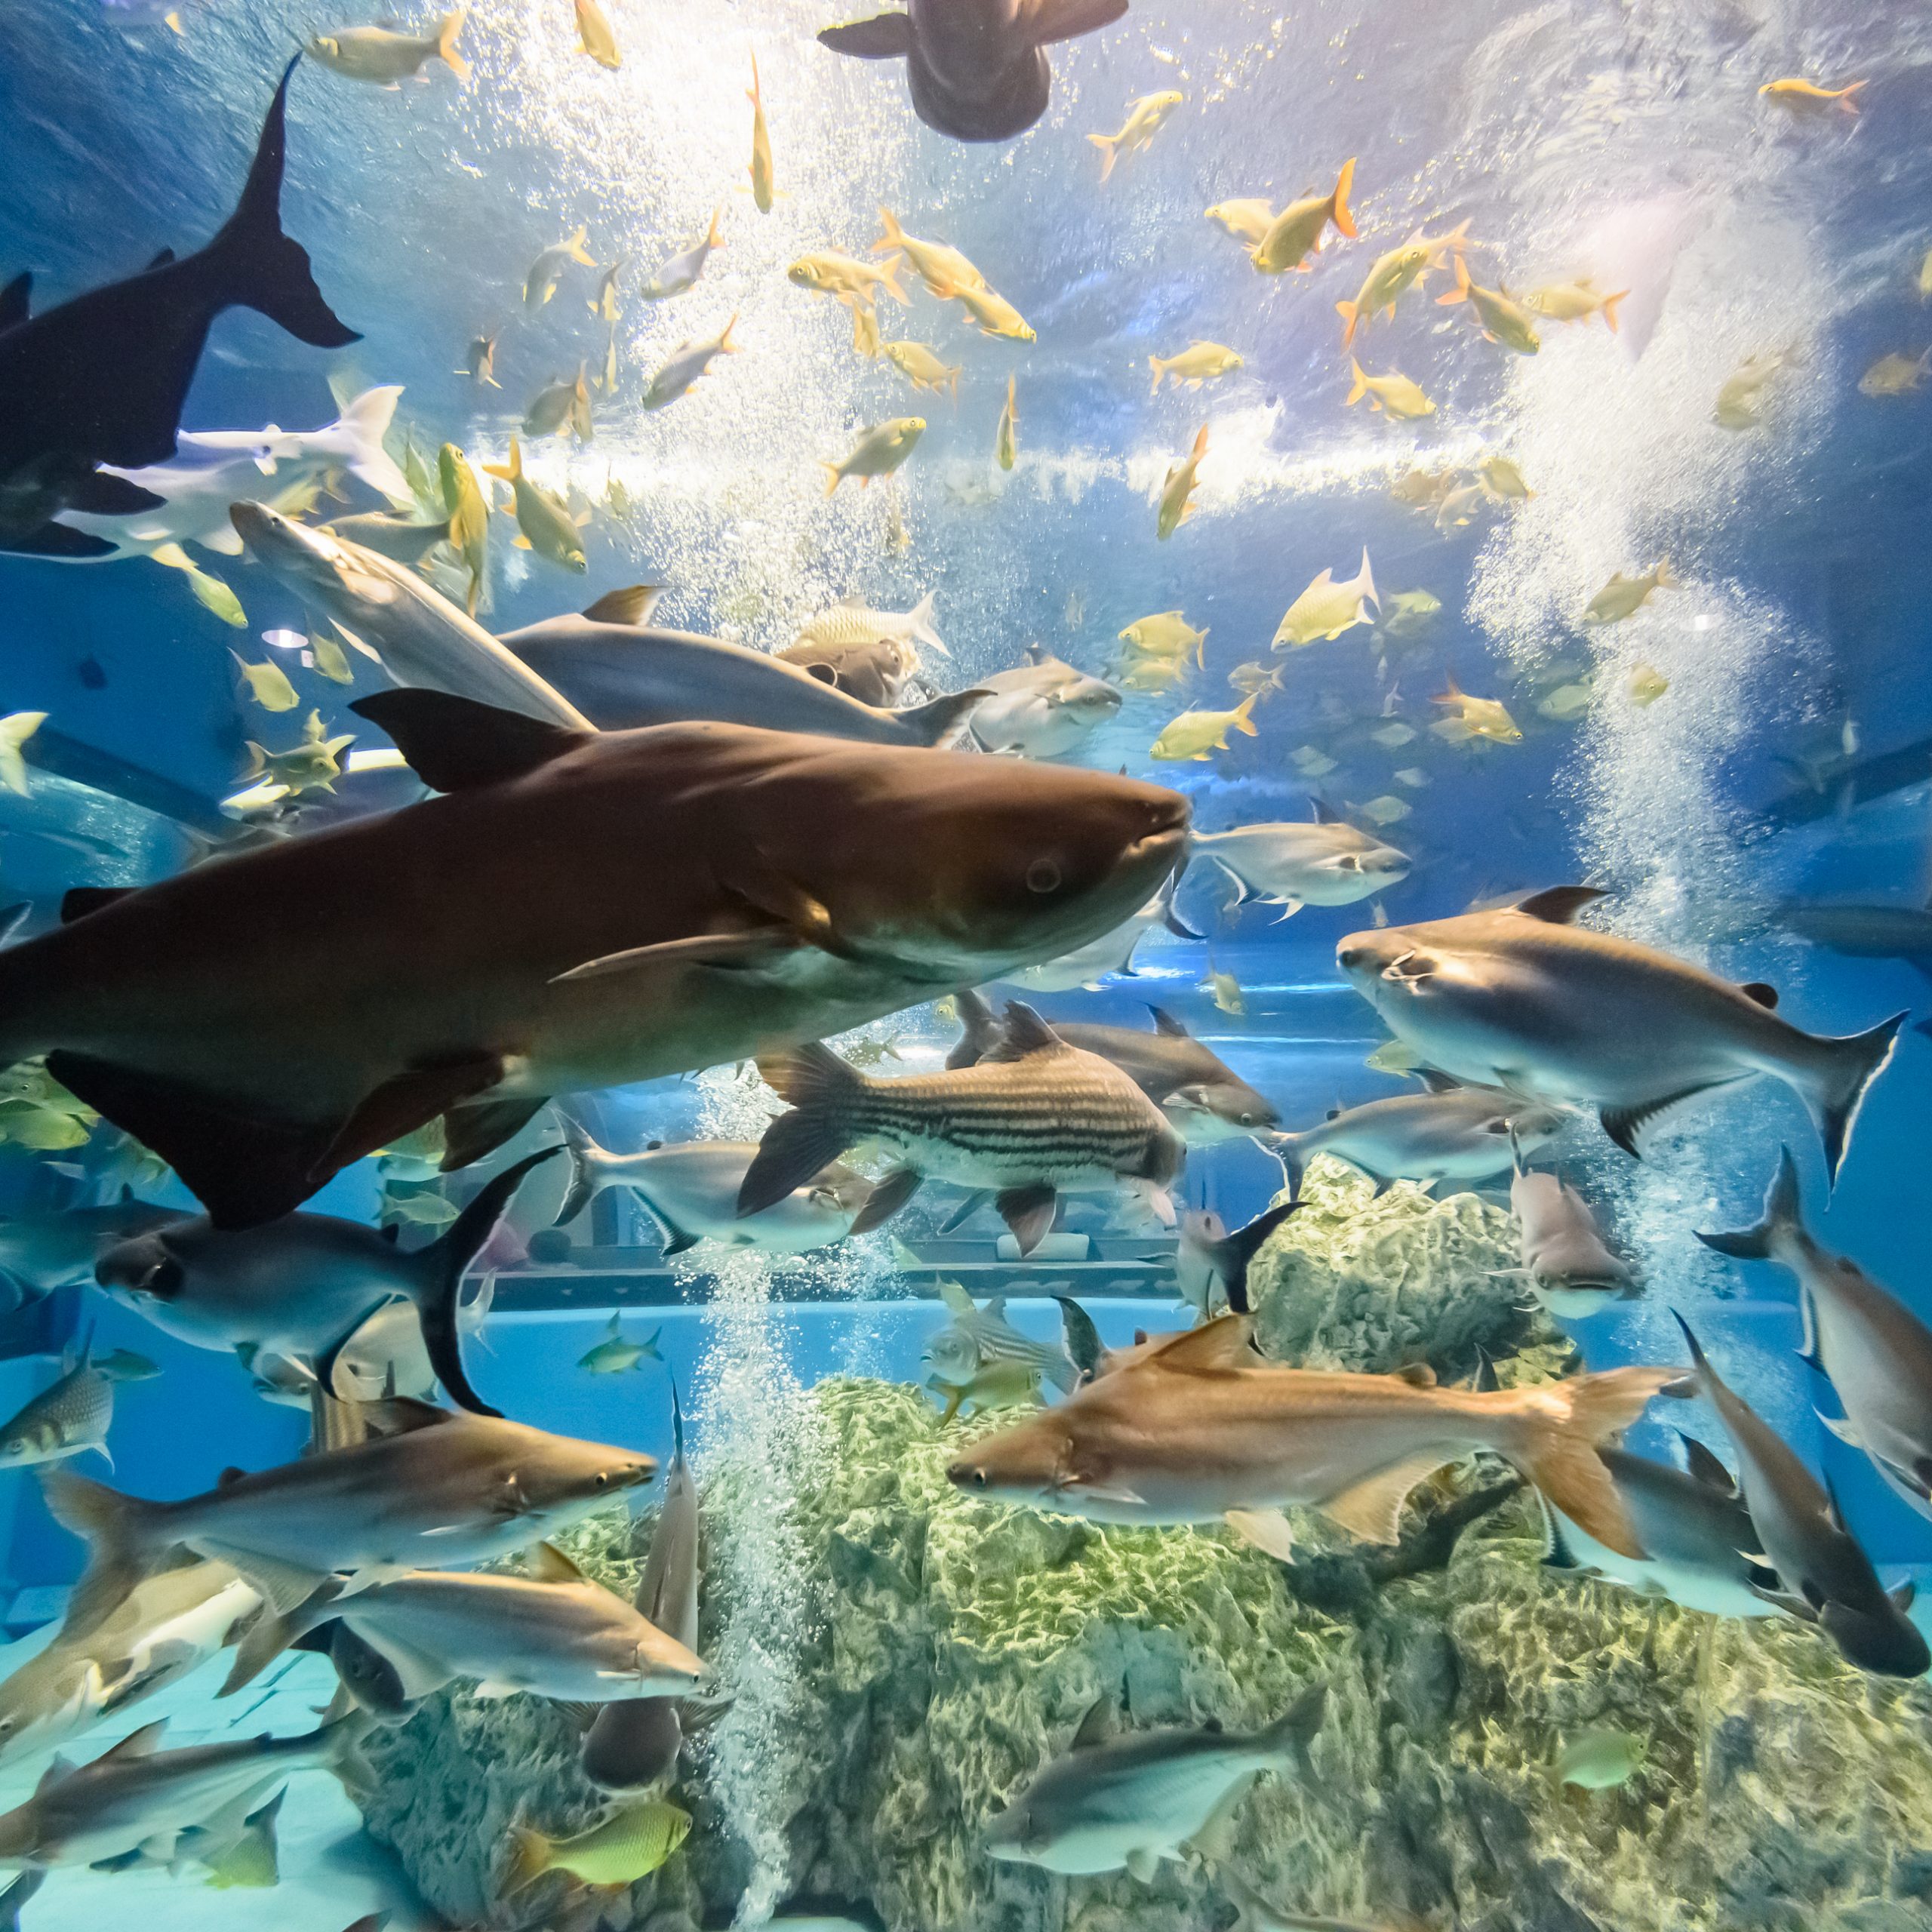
{"points": [[1887, 1644], [969, 1475]]}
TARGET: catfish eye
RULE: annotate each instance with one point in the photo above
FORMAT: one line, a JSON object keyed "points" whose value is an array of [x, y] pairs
{"points": [[601, 1481], [1043, 876]]}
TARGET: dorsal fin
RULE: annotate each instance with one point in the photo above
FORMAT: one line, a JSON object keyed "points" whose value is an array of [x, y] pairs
{"points": [[1704, 1465], [455, 743], [399, 1415], [1226, 1342], [630, 605], [1435, 1082], [1097, 1726], [1026, 1033], [1165, 1023], [1765, 995], [78, 901], [142, 1744], [548, 1564], [1325, 812], [15, 301], [1558, 905], [164, 259], [233, 1474]]}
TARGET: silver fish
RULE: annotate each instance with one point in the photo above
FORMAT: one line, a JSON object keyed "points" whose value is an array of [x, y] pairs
{"points": [[685, 365], [979, 1335], [1326, 863], [1876, 1352], [68, 1417], [1522, 998], [1450, 1132], [1862, 931], [1042, 709], [680, 272], [446, 1487], [1564, 1255], [58, 1249], [1033, 1118], [1111, 1803], [403, 539], [1825, 1577]]}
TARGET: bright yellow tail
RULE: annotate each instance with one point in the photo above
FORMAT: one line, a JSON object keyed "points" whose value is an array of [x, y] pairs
{"points": [[1338, 204], [529, 1859], [446, 35]]}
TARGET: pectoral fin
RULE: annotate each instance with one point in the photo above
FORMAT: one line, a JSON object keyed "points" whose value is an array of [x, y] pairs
{"points": [[1266, 1530], [1142, 1864], [1372, 1508], [728, 950], [883, 37], [1029, 1212]]}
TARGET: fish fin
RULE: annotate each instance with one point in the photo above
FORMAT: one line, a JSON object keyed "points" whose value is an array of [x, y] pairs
{"points": [[1068, 19], [275, 1631], [976, 1199], [1166, 1024], [1227, 1342], [883, 37], [447, 30], [1623, 1125], [1556, 905], [1028, 1211], [255, 264], [1842, 1427], [1022, 1032], [1289, 1736], [1266, 1530], [453, 744], [1557, 1554], [1339, 212], [1781, 1216], [1795, 1607], [1834, 1089], [548, 1564], [1434, 1080], [1704, 1465], [142, 1744], [888, 1195], [58, 1768], [471, 1132], [1372, 1509], [629, 606], [1554, 1443], [529, 1859], [722, 950], [1095, 1727], [1142, 1864], [283, 1585], [821, 1090], [406, 1101], [1236, 1252], [1360, 388], [943, 721], [979, 1030]]}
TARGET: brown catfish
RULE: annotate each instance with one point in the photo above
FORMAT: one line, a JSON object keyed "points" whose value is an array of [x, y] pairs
{"points": [[1200, 1428], [582, 910]]}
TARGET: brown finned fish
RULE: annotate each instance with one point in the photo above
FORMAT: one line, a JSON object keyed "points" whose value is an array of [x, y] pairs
{"points": [[1198, 1428], [1034, 1116]]}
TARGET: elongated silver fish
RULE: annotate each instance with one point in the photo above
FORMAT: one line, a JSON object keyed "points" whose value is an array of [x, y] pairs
{"points": [[1876, 1352], [1034, 1116], [1325, 862], [58, 1249], [979, 1335], [1042, 709], [1451, 1133], [1564, 1255], [68, 1417], [1523, 999], [1114, 1802], [445, 1487], [1825, 1576]]}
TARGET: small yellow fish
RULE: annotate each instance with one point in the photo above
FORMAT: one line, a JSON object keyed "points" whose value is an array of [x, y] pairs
{"points": [[1151, 673], [1387, 810], [545, 524], [541, 284], [762, 188], [383, 57], [1001, 1383], [1647, 684], [1459, 507], [1802, 97], [1006, 446], [878, 452], [594, 36], [995, 314], [468, 530], [1199, 362], [865, 330], [1328, 608], [14, 732], [1601, 1760], [1624, 596], [1574, 302], [1895, 375], [210, 592], [843, 277], [1565, 702], [1195, 733], [1423, 489], [1144, 117], [1245, 221], [687, 362], [330, 660], [1482, 717], [424, 1207], [921, 367], [1166, 634], [1296, 233], [1502, 319], [268, 684], [614, 1355], [1252, 679], [628, 1846], [482, 363], [313, 765], [944, 270], [1414, 776], [1224, 989], [1740, 403], [1178, 489], [1404, 613], [1394, 1056], [1503, 480], [1394, 393], [604, 304], [1392, 274], [1312, 761]]}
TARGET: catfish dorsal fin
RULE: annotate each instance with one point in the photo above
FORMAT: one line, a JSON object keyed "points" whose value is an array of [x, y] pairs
{"points": [[1096, 1727], [1325, 812], [548, 1564], [630, 605], [1705, 1466], [1226, 1343], [1558, 905], [1026, 1032], [1166, 1023], [453, 744], [142, 1744]]}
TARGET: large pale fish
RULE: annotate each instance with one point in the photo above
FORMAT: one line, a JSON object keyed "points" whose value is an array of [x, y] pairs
{"points": [[1520, 998], [1565, 1257], [442, 1487], [1326, 863], [1043, 709], [303, 1286], [1862, 931], [583, 911], [58, 1249], [384, 56], [1126, 1801], [625, 674], [1824, 1575], [1876, 1352], [1033, 1118], [1190, 1433]]}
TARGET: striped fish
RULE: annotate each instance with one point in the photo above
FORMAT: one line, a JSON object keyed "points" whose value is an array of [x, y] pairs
{"points": [[1033, 1117], [978, 1338], [68, 1418]]}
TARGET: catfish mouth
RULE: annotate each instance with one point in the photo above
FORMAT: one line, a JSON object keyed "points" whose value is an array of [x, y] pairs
{"points": [[276, 539]]}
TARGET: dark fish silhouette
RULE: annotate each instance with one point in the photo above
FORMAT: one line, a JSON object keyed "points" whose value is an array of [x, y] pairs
{"points": [[103, 378], [977, 68]]}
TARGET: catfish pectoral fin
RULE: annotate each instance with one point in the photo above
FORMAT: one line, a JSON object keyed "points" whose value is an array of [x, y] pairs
{"points": [[883, 37], [471, 1132], [1029, 1212], [409, 1101], [748, 949]]}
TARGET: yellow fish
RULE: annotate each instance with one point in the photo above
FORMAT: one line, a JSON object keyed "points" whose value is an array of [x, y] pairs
{"points": [[1648, 685], [545, 524], [1740, 403], [594, 36], [1392, 274], [1624, 596], [1326, 608], [1006, 446], [1502, 319], [313, 765], [762, 188], [1001, 1383], [1423, 489], [995, 314], [1807, 97], [1151, 673], [468, 531], [1601, 1760], [1199, 362], [1166, 634], [1394, 1056], [629, 1845], [1566, 702], [1252, 679], [1895, 375], [1224, 989], [1195, 733], [1925, 278], [14, 732], [383, 57], [1404, 613], [210, 592], [944, 271], [878, 452], [331, 660], [604, 305], [1144, 117], [541, 284], [1503, 479], [1393, 393], [1245, 221], [268, 684], [1574, 302], [1295, 232], [482, 370], [865, 330], [921, 367], [1482, 717], [844, 277], [1176, 491]]}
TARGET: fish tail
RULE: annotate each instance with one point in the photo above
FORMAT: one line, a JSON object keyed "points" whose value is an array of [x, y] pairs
{"points": [[1338, 203], [1833, 1079], [272, 1632], [529, 1859], [833, 476], [1551, 1435], [1200, 442], [258, 266], [1844, 97], [1105, 142], [894, 236], [124, 1538], [580, 246], [725, 344], [1288, 1738], [341, 1737], [1292, 1151], [979, 1031], [1609, 309], [1782, 1218], [585, 1180], [1664, 577], [1365, 582], [1361, 388], [510, 472], [446, 33], [824, 1093], [366, 419], [713, 239], [1460, 293], [1234, 1252], [1350, 316], [945, 720], [919, 623]]}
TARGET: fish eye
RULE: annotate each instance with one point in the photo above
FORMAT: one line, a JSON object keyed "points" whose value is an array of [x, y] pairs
{"points": [[601, 1481], [1043, 876]]}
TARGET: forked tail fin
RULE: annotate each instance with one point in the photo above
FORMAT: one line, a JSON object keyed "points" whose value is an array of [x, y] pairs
{"points": [[125, 1542], [1782, 1218], [1833, 1086], [1338, 204]]}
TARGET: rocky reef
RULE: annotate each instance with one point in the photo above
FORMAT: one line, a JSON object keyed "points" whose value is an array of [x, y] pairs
{"points": [[955, 1645]]}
